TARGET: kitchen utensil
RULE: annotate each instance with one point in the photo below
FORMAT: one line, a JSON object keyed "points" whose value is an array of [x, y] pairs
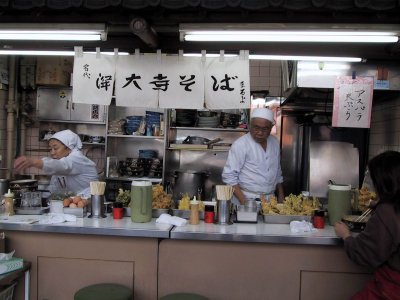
{"points": [[20, 186], [97, 204], [364, 215], [190, 182], [141, 200], [224, 192], [200, 140], [339, 202], [97, 187], [223, 212]]}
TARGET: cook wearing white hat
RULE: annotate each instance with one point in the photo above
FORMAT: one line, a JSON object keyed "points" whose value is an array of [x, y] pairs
{"points": [[253, 164], [71, 170]]}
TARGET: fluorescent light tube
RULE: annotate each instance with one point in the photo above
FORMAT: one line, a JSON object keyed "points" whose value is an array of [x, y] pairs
{"points": [[53, 32], [290, 32], [51, 53], [309, 58], [50, 36], [315, 37]]}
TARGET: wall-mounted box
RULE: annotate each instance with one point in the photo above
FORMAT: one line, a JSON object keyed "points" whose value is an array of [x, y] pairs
{"points": [[54, 70]]}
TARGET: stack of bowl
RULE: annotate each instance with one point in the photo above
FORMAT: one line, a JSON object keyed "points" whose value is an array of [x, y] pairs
{"points": [[132, 124], [207, 119], [185, 117]]}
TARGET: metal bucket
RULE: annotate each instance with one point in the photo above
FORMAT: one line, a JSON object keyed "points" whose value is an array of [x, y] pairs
{"points": [[223, 212], [191, 182]]}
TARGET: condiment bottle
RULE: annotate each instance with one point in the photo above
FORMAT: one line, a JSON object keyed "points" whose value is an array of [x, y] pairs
{"points": [[194, 212], [9, 203], [117, 210], [209, 214], [319, 219]]}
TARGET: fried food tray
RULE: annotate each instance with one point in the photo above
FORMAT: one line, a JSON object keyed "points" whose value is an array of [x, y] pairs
{"points": [[284, 219]]}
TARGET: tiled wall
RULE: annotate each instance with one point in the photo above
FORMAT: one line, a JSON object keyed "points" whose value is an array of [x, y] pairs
{"points": [[385, 127], [266, 75]]}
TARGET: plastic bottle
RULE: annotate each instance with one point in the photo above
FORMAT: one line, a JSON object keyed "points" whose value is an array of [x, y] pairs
{"points": [[194, 212], [9, 203]]}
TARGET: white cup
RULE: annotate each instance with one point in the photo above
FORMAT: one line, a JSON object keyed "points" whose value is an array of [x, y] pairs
{"points": [[56, 206]]}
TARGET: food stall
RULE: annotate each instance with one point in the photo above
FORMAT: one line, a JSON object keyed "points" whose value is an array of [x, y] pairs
{"points": [[257, 260]]}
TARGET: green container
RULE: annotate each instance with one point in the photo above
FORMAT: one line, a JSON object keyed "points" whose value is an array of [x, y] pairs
{"points": [[339, 202], [141, 200]]}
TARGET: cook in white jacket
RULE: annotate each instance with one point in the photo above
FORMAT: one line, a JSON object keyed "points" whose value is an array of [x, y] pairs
{"points": [[253, 165], [71, 170]]}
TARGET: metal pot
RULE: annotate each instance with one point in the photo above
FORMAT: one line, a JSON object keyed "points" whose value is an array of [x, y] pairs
{"points": [[20, 186], [191, 182], [3, 186]]}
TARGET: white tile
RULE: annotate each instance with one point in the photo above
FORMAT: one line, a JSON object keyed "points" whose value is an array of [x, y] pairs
{"points": [[265, 63], [264, 71], [254, 71]]}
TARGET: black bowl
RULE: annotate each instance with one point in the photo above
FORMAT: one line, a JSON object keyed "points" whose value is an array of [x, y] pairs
{"points": [[356, 226]]}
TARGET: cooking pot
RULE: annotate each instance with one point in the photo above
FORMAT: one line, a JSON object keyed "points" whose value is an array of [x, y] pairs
{"points": [[3, 186], [191, 182], [20, 186]]}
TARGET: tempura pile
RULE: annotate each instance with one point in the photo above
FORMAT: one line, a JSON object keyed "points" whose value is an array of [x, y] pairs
{"points": [[292, 205]]}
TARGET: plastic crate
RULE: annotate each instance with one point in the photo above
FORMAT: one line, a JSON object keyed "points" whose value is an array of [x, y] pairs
{"points": [[7, 293]]}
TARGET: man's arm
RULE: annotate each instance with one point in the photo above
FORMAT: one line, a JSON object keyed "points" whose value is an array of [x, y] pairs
{"points": [[239, 194], [279, 191]]}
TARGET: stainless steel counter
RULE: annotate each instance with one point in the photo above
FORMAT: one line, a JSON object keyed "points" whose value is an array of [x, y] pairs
{"points": [[237, 232], [106, 226], [258, 233]]}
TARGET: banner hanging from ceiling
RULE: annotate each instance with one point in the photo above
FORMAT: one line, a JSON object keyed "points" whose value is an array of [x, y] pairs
{"points": [[185, 88], [160, 81], [227, 83], [135, 84], [352, 101], [93, 78]]}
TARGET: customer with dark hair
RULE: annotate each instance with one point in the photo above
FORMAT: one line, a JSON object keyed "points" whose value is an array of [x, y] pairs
{"points": [[378, 246]]}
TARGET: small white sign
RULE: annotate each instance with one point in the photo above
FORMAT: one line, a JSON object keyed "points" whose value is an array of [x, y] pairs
{"points": [[352, 102], [227, 83], [93, 79]]}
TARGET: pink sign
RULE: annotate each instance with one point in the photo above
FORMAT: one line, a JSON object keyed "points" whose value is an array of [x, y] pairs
{"points": [[352, 101]]}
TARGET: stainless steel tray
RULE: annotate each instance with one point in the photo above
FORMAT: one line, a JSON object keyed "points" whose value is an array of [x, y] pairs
{"points": [[284, 219], [31, 210], [185, 213], [79, 212], [246, 216]]}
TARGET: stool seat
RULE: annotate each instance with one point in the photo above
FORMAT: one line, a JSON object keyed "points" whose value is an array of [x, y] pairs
{"points": [[104, 291], [183, 296]]}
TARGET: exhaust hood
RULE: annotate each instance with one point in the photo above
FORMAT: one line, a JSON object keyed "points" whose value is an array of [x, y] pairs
{"points": [[311, 84]]}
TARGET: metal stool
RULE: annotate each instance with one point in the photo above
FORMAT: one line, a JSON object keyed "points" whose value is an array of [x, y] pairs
{"points": [[104, 291], [183, 296]]}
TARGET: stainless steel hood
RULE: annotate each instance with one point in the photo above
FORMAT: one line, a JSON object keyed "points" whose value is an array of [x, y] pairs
{"points": [[310, 84]]}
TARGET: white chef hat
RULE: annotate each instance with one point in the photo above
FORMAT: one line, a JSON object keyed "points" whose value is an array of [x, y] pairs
{"points": [[263, 113], [68, 138]]}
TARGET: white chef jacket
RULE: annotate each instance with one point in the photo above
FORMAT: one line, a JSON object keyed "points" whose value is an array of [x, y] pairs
{"points": [[72, 173], [255, 170]]}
